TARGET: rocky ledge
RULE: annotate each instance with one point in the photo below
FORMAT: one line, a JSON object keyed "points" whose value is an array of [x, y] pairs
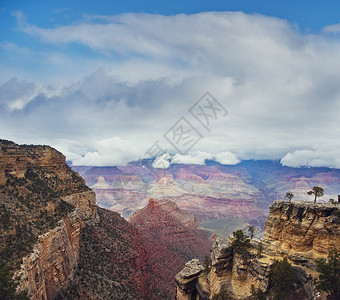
{"points": [[309, 229], [299, 231]]}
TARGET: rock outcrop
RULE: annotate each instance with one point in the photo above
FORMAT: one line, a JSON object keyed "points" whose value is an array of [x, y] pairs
{"points": [[46, 205], [48, 270], [305, 228], [187, 280], [300, 231]]}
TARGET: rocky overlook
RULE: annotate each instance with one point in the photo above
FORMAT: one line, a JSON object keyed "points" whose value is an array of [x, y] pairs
{"points": [[299, 231], [310, 229]]}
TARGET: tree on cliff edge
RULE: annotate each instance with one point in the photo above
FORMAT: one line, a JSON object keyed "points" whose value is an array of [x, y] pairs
{"points": [[289, 196], [240, 242], [317, 192]]}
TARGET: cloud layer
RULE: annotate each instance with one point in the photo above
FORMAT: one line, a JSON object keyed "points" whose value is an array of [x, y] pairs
{"points": [[136, 75]]}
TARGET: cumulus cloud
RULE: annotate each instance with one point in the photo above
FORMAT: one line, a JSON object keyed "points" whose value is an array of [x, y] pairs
{"points": [[226, 158], [335, 28], [163, 161], [144, 72], [312, 158], [109, 152]]}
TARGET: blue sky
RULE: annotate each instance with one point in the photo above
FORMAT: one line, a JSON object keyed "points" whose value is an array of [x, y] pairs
{"points": [[102, 81], [309, 15]]}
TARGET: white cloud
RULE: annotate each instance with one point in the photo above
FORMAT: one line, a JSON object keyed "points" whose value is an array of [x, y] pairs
{"points": [[164, 161], [143, 72], [198, 159], [335, 28], [108, 152], [227, 158], [312, 158]]}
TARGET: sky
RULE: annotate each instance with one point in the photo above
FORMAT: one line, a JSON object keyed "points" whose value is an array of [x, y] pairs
{"points": [[108, 82]]}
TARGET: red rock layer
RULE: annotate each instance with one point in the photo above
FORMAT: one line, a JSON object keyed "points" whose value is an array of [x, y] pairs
{"points": [[169, 243]]}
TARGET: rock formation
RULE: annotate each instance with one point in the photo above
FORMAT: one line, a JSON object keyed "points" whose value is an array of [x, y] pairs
{"points": [[45, 202], [63, 246], [48, 270], [171, 237], [300, 231], [305, 228]]}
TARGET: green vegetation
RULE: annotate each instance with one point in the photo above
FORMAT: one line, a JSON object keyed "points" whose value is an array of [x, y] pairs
{"points": [[329, 269], [257, 294], [251, 230], [337, 213], [317, 192], [241, 241], [282, 278], [289, 196], [5, 217], [8, 286], [63, 208], [206, 264]]}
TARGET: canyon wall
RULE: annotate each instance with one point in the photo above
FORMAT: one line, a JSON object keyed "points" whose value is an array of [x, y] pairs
{"points": [[305, 228], [299, 231], [35, 184], [50, 267]]}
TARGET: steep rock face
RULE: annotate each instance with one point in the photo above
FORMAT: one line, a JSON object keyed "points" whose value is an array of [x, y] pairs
{"points": [[300, 231], [46, 205], [50, 267], [230, 274], [113, 263], [310, 229], [170, 238], [187, 278], [235, 273]]}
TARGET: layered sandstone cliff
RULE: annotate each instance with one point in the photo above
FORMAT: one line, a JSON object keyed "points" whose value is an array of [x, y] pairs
{"points": [[308, 229], [50, 267], [46, 204], [299, 231]]}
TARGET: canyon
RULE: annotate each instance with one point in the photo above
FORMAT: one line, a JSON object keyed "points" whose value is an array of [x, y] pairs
{"points": [[212, 192], [61, 245]]}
